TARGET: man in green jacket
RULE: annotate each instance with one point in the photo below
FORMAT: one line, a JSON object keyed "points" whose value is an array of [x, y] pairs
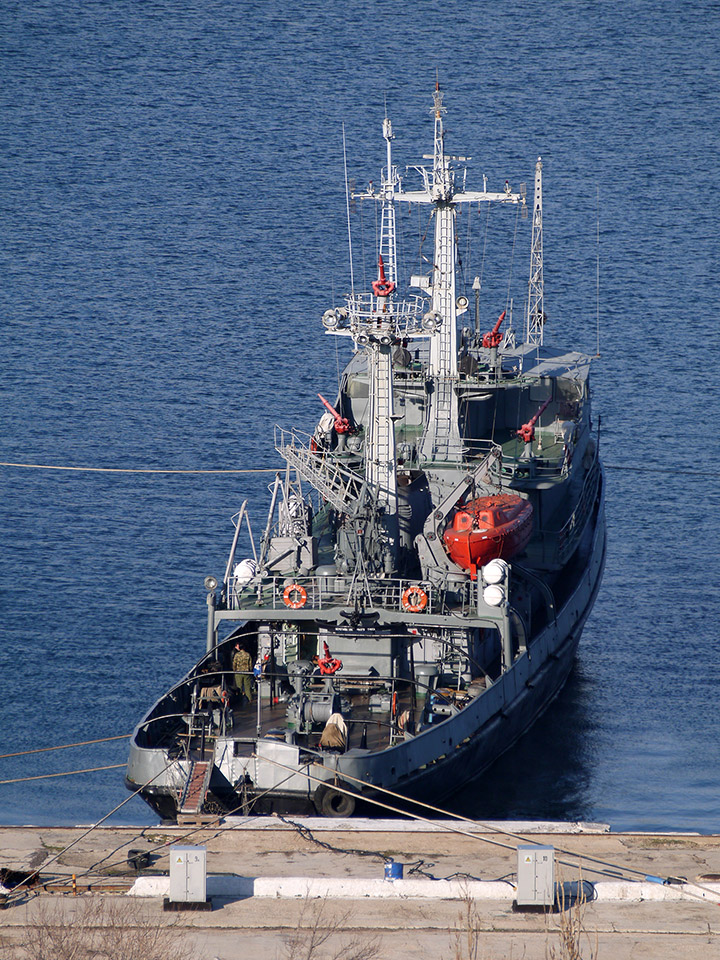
{"points": [[242, 668]]}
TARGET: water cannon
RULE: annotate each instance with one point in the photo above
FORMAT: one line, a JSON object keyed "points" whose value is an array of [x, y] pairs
{"points": [[494, 338], [527, 430], [342, 424], [382, 287]]}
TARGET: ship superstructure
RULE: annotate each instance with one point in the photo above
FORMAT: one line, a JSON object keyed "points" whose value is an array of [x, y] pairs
{"points": [[429, 558]]}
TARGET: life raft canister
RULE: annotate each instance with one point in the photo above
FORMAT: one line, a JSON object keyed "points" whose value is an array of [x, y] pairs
{"points": [[414, 599], [294, 596]]}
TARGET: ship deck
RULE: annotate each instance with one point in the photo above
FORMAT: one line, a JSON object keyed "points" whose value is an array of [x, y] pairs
{"points": [[367, 726]]}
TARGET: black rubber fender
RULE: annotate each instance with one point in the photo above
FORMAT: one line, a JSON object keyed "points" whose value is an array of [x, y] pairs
{"points": [[330, 802]]}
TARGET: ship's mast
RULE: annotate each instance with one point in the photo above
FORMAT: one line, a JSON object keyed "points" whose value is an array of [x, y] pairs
{"points": [[443, 346], [380, 465], [536, 315], [441, 440], [390, 181]]}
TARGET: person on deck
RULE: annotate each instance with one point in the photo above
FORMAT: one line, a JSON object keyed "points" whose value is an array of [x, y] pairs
{"points": [[242, 668]]}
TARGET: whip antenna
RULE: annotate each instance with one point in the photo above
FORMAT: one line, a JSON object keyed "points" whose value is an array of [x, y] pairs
{"points": [[347, 205], [597, 273]]}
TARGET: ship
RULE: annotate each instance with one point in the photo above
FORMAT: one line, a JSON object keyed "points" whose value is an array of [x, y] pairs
{"points": [[414, 598]]}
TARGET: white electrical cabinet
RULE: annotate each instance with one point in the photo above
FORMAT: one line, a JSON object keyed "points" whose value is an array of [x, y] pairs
{"points": [[535, 876], [188, 874]]}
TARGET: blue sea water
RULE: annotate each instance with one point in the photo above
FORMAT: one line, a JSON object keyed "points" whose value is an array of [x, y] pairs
{"points": [[172, 217]]}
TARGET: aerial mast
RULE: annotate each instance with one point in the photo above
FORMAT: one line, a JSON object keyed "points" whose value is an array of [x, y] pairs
{"points": [[441, 441], [390, 180], [443, 346], [536, 314]]}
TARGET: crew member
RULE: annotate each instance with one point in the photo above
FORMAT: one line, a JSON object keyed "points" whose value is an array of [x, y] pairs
{"points": [[242, 668]]}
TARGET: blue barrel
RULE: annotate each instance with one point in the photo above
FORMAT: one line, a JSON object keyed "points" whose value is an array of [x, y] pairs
{"points": [[393, 870]]}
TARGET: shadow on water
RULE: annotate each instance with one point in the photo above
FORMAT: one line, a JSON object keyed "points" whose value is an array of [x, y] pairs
{"points": [[547, 774]]}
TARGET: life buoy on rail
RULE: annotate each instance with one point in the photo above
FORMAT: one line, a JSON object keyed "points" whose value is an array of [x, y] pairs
{"points": [[294, 596], [414, 599]]}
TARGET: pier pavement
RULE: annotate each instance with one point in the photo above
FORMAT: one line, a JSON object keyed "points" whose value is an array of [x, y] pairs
{"points": [[269, 877]]}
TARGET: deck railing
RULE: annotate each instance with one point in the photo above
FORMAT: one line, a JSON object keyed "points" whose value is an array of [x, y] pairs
{"points": [[332, 590]]}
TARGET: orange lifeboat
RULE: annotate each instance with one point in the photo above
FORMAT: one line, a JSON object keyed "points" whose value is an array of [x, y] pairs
{"points": [[488, 528]]}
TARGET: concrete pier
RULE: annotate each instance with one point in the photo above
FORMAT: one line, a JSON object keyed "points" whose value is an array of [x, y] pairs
{"points": [[268, 876]]}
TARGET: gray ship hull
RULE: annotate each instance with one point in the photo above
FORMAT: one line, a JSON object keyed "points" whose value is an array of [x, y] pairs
{"points": [[432, 766]]}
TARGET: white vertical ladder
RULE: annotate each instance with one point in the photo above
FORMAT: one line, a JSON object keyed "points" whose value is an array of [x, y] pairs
{"points": [[380, 471]]}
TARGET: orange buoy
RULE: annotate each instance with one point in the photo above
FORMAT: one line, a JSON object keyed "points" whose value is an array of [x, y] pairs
{"points": [[414, 599], [294, 596]]}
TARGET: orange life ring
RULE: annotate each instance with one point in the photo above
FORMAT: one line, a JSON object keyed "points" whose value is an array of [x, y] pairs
{"points": [[414, 599], [382, 288], [299, 593]]}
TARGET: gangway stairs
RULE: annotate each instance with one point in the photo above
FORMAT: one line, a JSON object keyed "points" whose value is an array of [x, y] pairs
{"points": [[195, 788], [339, 485]]}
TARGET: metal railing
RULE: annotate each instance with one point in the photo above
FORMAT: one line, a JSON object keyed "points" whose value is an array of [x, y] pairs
{"points": [[332, 590], [406, 313]]}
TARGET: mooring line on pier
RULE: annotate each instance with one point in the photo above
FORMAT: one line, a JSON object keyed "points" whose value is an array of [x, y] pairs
{"points": [[160, 845], [24, 887]]}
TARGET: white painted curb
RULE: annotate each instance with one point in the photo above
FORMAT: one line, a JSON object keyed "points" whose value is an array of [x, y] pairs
{"points": [[292, 888], [366, 825]]}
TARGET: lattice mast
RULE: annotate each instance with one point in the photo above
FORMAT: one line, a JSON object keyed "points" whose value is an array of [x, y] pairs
{"points": [[390, 181], [443, 346], [535, 321]]}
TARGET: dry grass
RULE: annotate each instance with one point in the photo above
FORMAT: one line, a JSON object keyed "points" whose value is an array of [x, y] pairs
{"points": [[322, 936], [466, 935], [569, 940], [100, 929]]}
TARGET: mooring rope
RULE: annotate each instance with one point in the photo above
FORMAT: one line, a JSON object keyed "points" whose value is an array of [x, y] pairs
{"points": [[46, 466], [64, 746]]}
